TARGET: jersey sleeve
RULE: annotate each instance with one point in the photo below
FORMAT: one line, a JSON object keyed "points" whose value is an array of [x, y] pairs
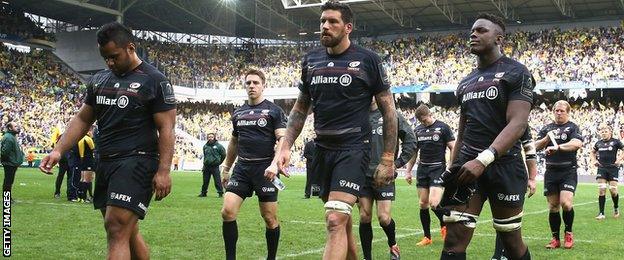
{"points": [[378, 78], [595, 147], [89, 98], [620, 146], [521, 85], [164, 97], [576, 133], [279, 119], [234, 128], [526, 136], [303, 81], [448, 134], [408, 142]]}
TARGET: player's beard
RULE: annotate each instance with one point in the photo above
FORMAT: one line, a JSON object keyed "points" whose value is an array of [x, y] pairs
{"points": [[332, 41]]}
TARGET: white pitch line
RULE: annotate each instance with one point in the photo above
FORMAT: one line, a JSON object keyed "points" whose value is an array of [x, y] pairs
{"points": [[319, 250]]}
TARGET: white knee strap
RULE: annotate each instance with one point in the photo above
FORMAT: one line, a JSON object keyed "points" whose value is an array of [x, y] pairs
{"points": [[338, 206], [508, 224], [613, 187], [469, 220], [602, 186]]}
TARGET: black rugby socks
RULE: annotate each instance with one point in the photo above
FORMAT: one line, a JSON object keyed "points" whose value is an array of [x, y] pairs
{"points": [[425, 219], [615, 199], [439, 214], [366, 239], [555, 224], [568, 219], [272, 238], [390, 233], [230, 236], [601, 204]]}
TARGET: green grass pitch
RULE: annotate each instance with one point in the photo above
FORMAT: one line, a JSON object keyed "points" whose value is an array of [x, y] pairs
{"points": [[184, 226]]}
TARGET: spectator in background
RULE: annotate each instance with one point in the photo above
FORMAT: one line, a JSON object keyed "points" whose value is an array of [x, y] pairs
{"points": [[30, 158], [214, 154], [11, 155]]}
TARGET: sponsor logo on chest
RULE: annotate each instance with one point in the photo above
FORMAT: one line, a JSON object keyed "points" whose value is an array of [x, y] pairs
{"points": [[121, 102], [490, 93]]}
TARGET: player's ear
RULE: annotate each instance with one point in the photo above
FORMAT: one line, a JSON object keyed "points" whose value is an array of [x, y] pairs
{"points": [[349, 27], [131, 47]]}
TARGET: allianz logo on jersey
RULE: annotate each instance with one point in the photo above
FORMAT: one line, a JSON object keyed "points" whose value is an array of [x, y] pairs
{"points": [[434, 137], [378, 131], [348, 184], [490, 93], [121, 102], [344, 80], [260, 122], [605, 149]]}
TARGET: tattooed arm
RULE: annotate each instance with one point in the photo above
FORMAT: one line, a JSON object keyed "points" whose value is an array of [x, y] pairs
{"points": [[385, 170], [296, 120]]}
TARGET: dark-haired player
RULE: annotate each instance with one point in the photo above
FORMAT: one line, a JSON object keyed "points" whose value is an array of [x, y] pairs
{"points": [[434, 138], [605, 157], [382, 195], [495, 100], [134, 106], [560, 139], [338, 83], [257, 126]]}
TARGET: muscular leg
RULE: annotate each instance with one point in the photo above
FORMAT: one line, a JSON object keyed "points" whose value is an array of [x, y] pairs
{"points": [[365, 205], [425, 218], [337, 243], [554, 219], [512, 241], [121, 226], [566, 199], [613, 188], [602, 188], [384, 208], [231, 206], [268, 210], [458, 235]]}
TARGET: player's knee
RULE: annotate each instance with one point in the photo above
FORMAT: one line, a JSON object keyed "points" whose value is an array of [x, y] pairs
{"points": [[365, 217], [383, 218], [336, 221], [613, 189], [228, 214], [270, 221], [116, 227], [423, 204], [602, 188], [567, 205], [507, 225]]}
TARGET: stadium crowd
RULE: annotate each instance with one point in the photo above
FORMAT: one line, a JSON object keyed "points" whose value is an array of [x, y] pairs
{"points": [[36, 90], [14, 22], [588, 55]]}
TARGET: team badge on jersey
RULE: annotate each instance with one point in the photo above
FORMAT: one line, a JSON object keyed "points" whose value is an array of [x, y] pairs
{"points": [[116, 85], [354, 64], [330, 64], [135, 85]]}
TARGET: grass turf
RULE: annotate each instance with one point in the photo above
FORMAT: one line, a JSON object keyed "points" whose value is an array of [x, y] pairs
{"points": [[184, 226]]}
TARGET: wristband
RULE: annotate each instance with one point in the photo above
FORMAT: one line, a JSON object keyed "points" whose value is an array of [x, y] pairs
{"points": [[487, 156]]}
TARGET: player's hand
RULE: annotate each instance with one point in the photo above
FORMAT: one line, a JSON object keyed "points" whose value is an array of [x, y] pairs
{"points": [[408, 177], [225, 178], [49, 161], [597, 164], [162, 184], [531, 186], [271, 172], [384, 174], [283, 161], [551, 150], [470, 172]]}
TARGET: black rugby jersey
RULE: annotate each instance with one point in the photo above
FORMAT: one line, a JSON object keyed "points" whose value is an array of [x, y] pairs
{"points": [[341, 88], [432, 142], [405, 134], [563, 134], [483, 96], [607, 151], [254, 126], [124, 108]]}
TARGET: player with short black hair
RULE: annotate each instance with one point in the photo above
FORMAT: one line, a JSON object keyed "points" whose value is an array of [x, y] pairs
{"points": [[385, 194], [605, 157], [135, 108], [561, 140], [495, 101], [257, 127], [434, 137], [338, 82]]}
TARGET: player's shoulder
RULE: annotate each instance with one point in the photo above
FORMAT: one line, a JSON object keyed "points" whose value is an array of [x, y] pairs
{"points": [[513, 64], [442, 123], [355, 49], [572, 124], [315, 53], [272, 106], [152, 72]]}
